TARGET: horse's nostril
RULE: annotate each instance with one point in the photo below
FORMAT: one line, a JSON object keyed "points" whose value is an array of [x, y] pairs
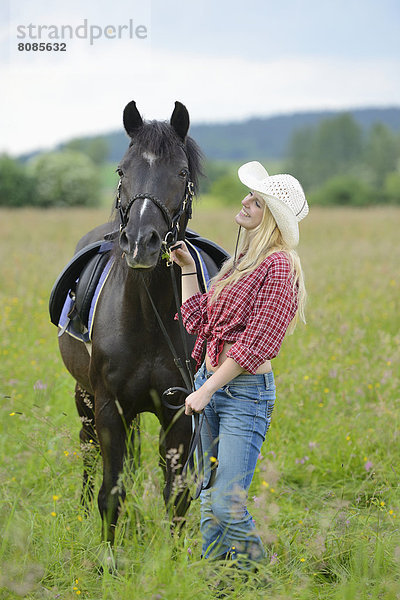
{"points": [[154, 240], [124, 242]]}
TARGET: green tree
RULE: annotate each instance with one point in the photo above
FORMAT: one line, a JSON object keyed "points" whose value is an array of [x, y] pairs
{"points": [[391, 188], [337, 147], [228, 189], [96, 148], [213, 171], [381, 154], [66, 179], [333, 148], [17, 186], [300, 162]]}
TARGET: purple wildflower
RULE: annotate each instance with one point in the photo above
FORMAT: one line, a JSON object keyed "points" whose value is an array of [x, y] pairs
{"points": [[39, 385], [274, 558]]}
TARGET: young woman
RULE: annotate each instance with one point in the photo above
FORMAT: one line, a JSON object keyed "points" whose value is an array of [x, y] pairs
{"points": [[253, 301]]}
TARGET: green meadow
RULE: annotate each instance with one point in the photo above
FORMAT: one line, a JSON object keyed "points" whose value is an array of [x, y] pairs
{"points": [[325, 496]]}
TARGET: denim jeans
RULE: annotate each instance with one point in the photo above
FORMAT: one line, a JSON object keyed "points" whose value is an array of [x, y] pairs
{"points": [[236, 422]]}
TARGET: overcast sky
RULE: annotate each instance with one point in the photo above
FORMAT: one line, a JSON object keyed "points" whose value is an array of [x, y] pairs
{"points": [[226, 60]]}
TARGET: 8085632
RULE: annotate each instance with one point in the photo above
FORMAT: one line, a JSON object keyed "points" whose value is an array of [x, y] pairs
{"points": [[42, 47]]}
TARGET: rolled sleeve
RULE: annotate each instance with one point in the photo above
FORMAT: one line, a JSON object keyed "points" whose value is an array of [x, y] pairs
{"points": [[274, 308], [194, 313]]}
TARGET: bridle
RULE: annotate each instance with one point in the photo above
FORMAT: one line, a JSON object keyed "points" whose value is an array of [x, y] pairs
{"points": [[171, 220]]}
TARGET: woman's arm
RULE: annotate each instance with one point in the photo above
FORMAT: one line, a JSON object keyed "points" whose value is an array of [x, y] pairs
{"points": [[196, 401], [182, 257]]}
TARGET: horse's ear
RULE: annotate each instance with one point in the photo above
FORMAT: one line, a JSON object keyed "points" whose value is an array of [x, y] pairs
{"points": [[180, 120], [132, 118]]}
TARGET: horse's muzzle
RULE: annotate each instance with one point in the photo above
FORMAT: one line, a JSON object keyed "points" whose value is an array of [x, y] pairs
{"points": [[141, 251]]}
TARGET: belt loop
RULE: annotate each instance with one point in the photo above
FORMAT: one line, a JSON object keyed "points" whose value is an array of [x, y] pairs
{"points": [[266, 381]]}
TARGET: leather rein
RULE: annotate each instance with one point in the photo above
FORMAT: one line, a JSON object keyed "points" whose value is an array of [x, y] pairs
{"points": [[186, 371]]}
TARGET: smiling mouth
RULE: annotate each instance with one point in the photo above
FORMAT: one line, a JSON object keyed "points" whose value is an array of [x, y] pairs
{"points": [[244, 213]]}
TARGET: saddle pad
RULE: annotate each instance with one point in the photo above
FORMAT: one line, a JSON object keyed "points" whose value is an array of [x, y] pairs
{"points": [[86, 287], [201, 268], [70, 274], [67, 325]]}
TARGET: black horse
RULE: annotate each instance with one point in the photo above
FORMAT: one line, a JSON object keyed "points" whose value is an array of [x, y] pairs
{"points": [[130, 364]]}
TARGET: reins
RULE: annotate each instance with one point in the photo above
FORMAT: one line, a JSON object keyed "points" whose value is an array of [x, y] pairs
{"points": [[186, 368], [187, 376]]}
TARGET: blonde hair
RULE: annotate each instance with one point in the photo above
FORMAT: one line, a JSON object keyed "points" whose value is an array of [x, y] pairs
{"points": [[254, 247]]}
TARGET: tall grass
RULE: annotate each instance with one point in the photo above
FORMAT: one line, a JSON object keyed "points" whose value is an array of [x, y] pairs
{"points": [[325, 496]]}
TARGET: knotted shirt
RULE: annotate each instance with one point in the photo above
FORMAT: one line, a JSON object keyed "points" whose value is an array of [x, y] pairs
{"points": [[253, 314]]}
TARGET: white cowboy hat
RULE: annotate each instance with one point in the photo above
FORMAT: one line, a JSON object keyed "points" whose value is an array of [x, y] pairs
{"points": [[283, 195]]}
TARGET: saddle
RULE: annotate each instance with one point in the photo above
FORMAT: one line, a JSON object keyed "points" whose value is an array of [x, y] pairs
{"points": [[75, 293]]}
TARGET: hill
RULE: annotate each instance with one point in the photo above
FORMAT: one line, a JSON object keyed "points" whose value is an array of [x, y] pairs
{"points": [[262, 137], [259, 137]]}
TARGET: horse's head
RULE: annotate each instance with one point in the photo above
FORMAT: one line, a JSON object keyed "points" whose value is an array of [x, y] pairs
{"points": [[158, 176]]}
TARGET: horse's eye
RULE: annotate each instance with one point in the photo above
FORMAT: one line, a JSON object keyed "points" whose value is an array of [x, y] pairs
{"points": [[119, 171], [183, 173]]}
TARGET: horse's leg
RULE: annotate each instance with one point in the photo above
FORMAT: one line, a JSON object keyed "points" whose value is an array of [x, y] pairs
{"points": [[89, 445], [133, 446], [111, 432], [174, 445]]}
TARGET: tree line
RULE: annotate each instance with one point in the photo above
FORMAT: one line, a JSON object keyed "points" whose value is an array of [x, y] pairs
{"points": [[337, 162]]}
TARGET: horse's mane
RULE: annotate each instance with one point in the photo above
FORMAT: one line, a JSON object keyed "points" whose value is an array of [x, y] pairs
{"points": [[159, 138]]}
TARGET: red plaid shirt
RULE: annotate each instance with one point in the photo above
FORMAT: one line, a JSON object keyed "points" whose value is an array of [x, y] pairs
{"points": [[254, 313]]}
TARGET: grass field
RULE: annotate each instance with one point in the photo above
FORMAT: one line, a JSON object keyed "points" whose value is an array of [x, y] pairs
{"points": [[325, 496]]}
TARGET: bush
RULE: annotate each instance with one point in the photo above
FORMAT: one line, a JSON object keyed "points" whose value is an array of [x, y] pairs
{"points": [[228, 189], [344, 190], [97, 149], [214, 170], [65, 179], [17, 187], [391, 188]]}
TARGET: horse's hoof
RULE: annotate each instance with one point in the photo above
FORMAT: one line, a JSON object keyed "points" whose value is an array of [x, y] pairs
{"points": [[107, 562]]}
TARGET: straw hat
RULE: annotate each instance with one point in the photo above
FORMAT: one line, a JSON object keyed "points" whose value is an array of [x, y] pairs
{"points": [[283, 195]]}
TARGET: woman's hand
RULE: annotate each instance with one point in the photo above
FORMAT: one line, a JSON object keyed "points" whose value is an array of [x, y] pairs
{"points": [[197, 401], [182, 257]]}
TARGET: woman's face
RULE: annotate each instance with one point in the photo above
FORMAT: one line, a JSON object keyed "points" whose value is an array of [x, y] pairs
{"points": [[252, 211]]}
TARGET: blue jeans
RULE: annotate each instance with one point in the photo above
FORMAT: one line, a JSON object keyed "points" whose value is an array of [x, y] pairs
{"points": [[238, 417]]}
